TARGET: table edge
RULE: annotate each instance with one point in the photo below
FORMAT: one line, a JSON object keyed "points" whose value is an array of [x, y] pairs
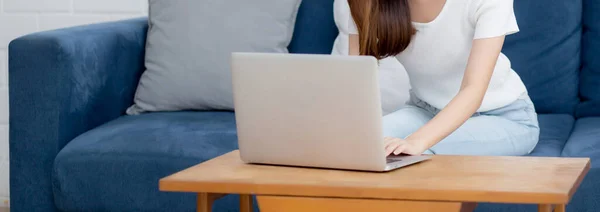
{"points": [[381, 193], [167, 185], [580, 179]]}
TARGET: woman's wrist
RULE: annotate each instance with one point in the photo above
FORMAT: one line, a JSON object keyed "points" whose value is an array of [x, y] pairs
{"points": [[419, 144]]}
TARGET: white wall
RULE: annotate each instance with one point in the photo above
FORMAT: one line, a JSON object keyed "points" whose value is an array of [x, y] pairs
{"points": [[19, 17]]}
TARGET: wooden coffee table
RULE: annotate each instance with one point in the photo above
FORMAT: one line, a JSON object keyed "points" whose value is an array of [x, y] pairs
{"points": [[444, 183]]}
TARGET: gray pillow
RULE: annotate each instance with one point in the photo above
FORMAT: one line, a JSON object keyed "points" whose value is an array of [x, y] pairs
{"points": [[189, 46]]}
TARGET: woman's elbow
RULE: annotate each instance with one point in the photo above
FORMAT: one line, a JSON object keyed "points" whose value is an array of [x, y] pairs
{"points": [[476, 94]]}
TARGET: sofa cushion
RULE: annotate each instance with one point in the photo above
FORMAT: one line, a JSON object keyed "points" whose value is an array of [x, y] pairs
{"points": [[315, 29], [125, 158], [554, 132], [585, 140], [590, 72], [546, 52]]}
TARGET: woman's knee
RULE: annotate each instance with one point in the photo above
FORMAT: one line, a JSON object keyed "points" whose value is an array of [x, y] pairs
{"points": [[405, 121], [489, 136]]}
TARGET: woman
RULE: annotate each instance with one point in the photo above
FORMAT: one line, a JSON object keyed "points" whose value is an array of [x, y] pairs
{"points": [[465, 97]]}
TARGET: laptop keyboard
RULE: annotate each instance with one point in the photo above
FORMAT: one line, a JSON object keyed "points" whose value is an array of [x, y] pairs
{"points": [[392, 160]]}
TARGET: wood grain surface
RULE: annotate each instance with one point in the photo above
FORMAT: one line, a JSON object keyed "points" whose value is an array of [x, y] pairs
{"points": [[443, 178]]}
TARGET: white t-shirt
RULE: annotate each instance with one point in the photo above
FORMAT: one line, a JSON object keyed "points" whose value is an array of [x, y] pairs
{"points": [[437, 57], [393, 80]]}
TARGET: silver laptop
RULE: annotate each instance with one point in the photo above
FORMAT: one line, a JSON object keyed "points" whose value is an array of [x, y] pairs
{"points": [[311, 111]]}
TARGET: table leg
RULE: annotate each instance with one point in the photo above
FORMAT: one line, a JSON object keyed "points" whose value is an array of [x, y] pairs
{"points": [[560, 208], [245, 203], [206, 200], [544, 208], [468, 207]]}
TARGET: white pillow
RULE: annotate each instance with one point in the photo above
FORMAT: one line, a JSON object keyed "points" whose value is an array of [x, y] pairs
{"points": [[189, 47], [393, 79]]}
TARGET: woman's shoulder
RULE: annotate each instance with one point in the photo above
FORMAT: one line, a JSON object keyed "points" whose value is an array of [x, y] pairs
{"points": [[492, 18], [476, 5], [341, 8], [341, 5], [473, 8], [342, 17]]}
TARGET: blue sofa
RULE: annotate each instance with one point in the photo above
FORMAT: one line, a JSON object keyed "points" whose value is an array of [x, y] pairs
{"points": [[73, 149]]}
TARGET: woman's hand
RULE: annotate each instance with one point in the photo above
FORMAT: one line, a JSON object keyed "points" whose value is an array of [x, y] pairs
{"points": [[398, 146]]}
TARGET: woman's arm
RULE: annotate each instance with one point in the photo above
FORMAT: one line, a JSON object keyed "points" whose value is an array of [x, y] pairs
{"points": [[481, 64]]}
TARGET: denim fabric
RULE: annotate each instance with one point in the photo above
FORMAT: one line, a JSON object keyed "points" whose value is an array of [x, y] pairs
{"points": [[590, 72], [315, 29], [555, 129], [510, 130], [585, 140], [546, 52], [63, 83], [117, 166]]}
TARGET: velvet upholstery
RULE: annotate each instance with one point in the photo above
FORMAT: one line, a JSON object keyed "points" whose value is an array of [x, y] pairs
{"points": [[590, 71], [64, 83], [546, 52], [315, 29], [585, 140], [555, 129], [126, 158]]}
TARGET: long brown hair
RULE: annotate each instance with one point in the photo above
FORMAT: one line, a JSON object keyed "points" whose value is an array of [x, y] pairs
{"points": [[384, 26]]}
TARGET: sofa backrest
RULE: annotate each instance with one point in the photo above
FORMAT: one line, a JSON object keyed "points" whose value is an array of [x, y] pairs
{"points": [[315, 29], [590, 72], [545, 53]]}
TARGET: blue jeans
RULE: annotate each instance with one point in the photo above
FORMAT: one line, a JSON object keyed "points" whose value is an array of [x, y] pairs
{"points": [[512, 130]]}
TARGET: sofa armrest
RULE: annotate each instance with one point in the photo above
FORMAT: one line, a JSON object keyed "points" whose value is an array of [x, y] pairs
{"points": [[62, 84]]}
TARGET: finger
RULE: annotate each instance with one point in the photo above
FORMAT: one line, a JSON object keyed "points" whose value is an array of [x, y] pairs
{"points": [[390, 148], [399, 149], [388, 140]]}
